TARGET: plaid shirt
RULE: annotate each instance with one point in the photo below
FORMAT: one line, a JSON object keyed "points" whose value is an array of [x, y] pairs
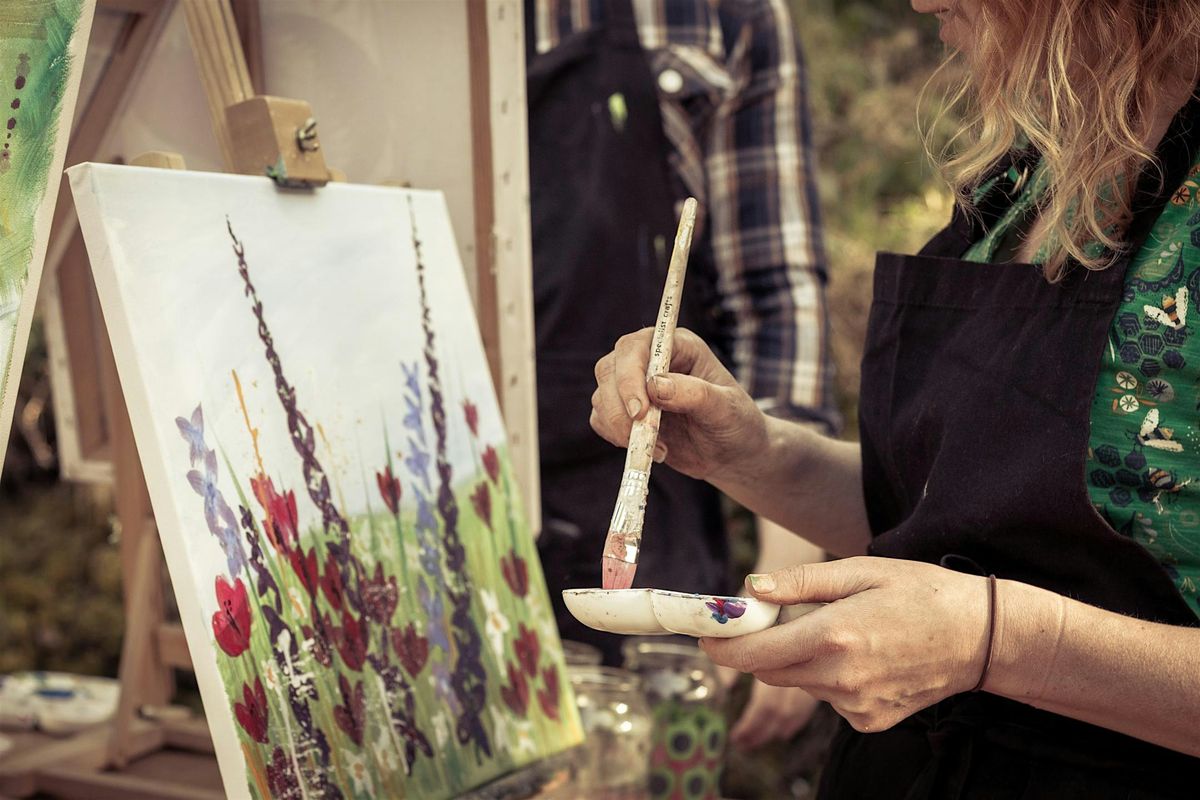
{"points": [[730, 82]]}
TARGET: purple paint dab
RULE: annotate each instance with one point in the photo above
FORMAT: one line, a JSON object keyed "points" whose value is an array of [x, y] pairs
{"points": [[726, 608]]}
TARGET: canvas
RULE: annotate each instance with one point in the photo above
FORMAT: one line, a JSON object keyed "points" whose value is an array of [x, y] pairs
{"points": [[41, 57], [326, 460]]}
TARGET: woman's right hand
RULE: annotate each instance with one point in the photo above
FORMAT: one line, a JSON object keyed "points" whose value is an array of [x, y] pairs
{"points": [[710, 429]]}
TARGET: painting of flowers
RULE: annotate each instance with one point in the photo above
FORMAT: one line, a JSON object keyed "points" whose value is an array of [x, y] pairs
{"points": [[327, 463], [41, 58]]}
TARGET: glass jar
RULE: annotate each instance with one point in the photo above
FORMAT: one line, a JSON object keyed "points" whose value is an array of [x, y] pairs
{"points": [[580, 654], [613, 763], [686, 698]]}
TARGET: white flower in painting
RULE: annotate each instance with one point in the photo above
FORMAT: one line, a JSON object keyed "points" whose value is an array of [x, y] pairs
{"points": [[500, 727], [297, 601], [497, 624], [524, 736], [441, 731], [358, 773]]}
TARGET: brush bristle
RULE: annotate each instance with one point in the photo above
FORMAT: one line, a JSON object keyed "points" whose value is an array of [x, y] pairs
{"points": [[618, 574]]}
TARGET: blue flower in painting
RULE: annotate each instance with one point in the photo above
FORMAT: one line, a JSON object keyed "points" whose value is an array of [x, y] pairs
{"points": [[217, 514], [426, 521], [412, 417], [443, 687], [435, 609], [193, 433], [417, 462], [412, 376], [725, 608]]}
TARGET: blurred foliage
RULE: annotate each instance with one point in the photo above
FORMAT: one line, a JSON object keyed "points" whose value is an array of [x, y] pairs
{"points": [[60, 582], [867, 64]]}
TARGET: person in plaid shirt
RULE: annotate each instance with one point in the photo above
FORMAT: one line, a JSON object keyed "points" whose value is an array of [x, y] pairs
{"points": [[634, 105]]}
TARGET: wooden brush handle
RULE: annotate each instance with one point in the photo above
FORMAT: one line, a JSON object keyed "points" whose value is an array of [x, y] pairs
{"points": [[631, 499]]}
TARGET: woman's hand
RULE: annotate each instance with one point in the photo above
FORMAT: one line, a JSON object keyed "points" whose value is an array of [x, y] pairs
{"points": [[896, 637], [710, 426]]}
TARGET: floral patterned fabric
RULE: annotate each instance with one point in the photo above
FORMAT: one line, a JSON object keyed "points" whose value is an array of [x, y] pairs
{"points": [[1143, 467]]}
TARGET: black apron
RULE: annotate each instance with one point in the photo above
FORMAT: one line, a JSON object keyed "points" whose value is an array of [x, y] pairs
{"points": [[977, 388], [603, 225]]}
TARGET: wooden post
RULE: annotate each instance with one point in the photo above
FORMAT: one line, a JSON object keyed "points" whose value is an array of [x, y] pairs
{"points": [[504, 261], [223, 69]]}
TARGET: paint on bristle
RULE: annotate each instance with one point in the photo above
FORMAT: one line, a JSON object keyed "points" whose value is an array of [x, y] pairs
{"points": [[618, 574]]}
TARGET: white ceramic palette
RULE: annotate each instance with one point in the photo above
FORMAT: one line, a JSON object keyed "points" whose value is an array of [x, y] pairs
{"points": [[648, 612]]}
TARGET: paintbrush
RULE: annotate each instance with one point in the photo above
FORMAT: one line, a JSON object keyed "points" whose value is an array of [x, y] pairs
{"points": [[624, 542]]}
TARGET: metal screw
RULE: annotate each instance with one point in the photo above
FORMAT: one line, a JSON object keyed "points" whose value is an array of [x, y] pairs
{"points": [[306, 136]]}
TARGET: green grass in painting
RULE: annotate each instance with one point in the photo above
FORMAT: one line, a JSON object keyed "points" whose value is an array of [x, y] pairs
{"points": [[381, 537], [34, 134], [35, 67]]}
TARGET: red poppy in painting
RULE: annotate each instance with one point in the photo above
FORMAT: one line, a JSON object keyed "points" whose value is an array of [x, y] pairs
{"points": [[481, 499], [231, 623], [491, 463], [351, 642], [516, 573], [281, 524], [331, 583], [528, 649], [516, 693], [411, 648], [252, 714], [379, 597], [471, 412], [305, 567], [548, 694], [389, 489], [351, 716]]}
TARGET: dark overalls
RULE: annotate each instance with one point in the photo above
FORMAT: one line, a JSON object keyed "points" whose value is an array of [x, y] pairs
{"points": [[603, 208], [977, 387]]}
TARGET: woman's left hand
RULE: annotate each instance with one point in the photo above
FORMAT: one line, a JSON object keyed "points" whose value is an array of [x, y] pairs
{"points": [[896, 637]]}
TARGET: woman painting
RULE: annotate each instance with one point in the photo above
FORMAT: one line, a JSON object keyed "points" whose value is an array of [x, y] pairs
{"points": [[1027, 487]]}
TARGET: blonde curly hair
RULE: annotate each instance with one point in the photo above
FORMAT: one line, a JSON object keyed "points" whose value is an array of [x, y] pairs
{"points": [[1077, 80]]}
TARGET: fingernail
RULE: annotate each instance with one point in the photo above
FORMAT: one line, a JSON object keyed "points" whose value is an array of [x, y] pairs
{"points": [[633, 406], [660, 453], [763, 584], [664, 387]]}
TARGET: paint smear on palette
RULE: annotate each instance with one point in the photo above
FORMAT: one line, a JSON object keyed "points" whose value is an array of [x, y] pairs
{"points": [[41, 57], [358, 585]]}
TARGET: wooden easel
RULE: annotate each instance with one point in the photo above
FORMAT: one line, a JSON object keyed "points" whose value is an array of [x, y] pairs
{"points": [[89, 765]]}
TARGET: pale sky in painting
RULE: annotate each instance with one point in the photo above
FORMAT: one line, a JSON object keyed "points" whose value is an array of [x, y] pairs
{"points": [[335, 271]]}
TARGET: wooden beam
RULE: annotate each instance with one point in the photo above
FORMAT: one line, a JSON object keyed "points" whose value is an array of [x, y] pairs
{"points": [[86, 751], [172, 646], [223, 69], [139, 660], [189, 734], [248, 18], [72, 784], [504, 263]]}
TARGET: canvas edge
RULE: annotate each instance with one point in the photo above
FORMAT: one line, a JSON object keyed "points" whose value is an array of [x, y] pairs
{"points": [[235, 776], [41, 229]]}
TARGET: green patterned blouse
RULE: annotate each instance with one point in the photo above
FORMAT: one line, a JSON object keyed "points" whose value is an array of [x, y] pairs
{"points": [[1143, 468]]}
